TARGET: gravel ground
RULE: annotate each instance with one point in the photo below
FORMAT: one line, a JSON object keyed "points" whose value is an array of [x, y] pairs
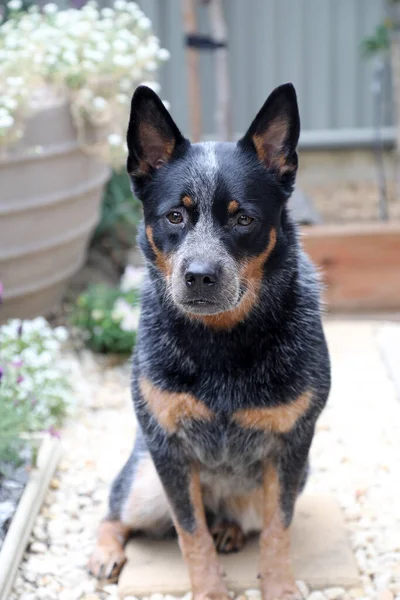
{"points": [[355, 455]]}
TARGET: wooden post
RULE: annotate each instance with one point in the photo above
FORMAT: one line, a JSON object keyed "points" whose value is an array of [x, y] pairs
{"points": [[193, 70], [223, 108]]}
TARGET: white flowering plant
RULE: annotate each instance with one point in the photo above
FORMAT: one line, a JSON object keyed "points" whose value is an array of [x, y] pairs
{"points": [[93, 57], [108, 317], [34, 389]]}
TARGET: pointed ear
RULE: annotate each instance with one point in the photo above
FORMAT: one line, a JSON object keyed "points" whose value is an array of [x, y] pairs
{"points": [[152, 135], [274, 133]]}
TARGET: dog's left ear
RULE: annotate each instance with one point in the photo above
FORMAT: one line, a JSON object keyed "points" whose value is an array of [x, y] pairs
{"points": [[274, 134], [152, 138]]}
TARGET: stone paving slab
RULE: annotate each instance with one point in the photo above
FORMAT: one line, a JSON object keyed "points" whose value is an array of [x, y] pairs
{"points": [[321, 553]]}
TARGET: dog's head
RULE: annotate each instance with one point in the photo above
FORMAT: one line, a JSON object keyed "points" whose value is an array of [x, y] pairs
{"points": [[212, 211]]}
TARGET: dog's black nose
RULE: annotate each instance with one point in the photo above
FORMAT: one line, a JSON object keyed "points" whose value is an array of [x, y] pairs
{"points": [[201, 276]]}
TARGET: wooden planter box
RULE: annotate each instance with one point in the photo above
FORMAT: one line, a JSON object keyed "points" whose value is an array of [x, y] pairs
{"points": [[50, 198], [28, 507], [360, 265]]}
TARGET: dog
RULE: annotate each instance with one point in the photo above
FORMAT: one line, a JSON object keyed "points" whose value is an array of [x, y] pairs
{"points": [[231, 368]]}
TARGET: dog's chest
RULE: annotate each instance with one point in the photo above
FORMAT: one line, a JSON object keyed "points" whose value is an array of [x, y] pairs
{"points": [[222, 445]]}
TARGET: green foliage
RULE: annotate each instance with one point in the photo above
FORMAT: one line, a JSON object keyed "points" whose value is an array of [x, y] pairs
{"points": [[12, 424], [378, 42], [121, 212], [34, 391], [108, 318]]}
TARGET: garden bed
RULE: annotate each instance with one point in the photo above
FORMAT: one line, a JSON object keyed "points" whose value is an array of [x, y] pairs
{"points": [[24, 491], [360, 264]]}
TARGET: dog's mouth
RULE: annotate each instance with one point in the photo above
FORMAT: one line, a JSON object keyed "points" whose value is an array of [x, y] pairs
{"points": [[201, 306], [206, 306]]}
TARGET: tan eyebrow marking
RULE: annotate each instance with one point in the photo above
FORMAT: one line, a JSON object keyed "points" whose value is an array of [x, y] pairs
{"points": [[233, 206], [187, 202]]}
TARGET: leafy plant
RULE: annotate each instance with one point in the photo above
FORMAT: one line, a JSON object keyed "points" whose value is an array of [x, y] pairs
{"points": [[120, 214], [34, 391], [108, 317], [378, 42], [93, 58]]}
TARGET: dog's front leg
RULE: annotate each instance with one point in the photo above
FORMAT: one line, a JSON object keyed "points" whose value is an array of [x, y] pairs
{"points": [[282, 482], [181, 482]]}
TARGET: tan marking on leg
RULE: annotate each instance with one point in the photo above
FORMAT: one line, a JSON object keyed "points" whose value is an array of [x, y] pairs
{"points": [[276, 578], [251, 275], [108, 556], [278, 419], [187, 202], [162, 261], [147, 508], [233, 207], [172, 408], [199, 552]]}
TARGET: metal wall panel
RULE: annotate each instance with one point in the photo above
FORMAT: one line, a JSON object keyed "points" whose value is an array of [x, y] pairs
{"points": [[313, 43]]}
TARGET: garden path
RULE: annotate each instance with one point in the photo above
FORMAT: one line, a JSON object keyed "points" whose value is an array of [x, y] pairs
{"points": [[355, 457]]}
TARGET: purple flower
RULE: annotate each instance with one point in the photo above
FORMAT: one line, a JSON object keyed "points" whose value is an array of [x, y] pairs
{"points": [[54, 433], [17, 364], [20, 379], [1, 373]]}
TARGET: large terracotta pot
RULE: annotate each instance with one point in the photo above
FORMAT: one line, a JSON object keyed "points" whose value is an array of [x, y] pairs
{"points": [[50, 196]]}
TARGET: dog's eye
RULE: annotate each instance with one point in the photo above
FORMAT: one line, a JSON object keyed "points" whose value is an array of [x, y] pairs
{"points": [[175, 217], [244, 220]]}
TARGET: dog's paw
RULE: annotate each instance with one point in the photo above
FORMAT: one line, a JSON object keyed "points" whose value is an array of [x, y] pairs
{"points": [[228, 537], [276, 588], [212, 596], [107, 561]]}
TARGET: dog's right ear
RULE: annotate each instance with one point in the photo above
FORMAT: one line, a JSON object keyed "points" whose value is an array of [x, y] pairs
{"points": [[152, 137]]}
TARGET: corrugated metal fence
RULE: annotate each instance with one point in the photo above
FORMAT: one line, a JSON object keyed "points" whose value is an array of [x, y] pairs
{"points": [[313, 43]]}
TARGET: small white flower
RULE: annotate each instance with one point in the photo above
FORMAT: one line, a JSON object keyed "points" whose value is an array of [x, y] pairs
{"points": [[14, 4], [114, 139], [15, 81], [120, 4], [121, 60], [50, 9], [70, 57], [164, 54], [120, 46], [151, 66], [131, 321], [99, 103], [61, 333], [10, 103], [154, 85], [97, 314], [144, 23], [131, 279], [6, 121], [107, 13]]}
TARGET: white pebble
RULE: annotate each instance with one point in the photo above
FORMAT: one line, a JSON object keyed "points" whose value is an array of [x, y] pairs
{"points": [[38, 548], [316, 596], [253, 594], [303, 588], [335, 593], [111, 589]]}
